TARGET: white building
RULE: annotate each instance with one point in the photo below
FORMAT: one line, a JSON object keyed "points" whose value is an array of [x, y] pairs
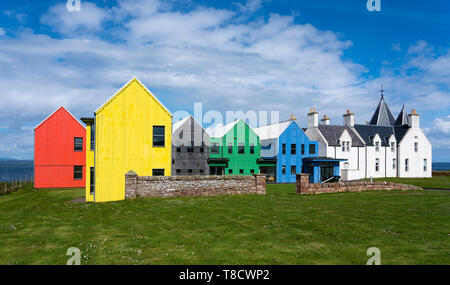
{"points": [[384, 147]]}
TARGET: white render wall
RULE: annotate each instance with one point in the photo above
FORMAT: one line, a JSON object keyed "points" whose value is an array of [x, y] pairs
{"points": [[406, 150], [359, 168]]}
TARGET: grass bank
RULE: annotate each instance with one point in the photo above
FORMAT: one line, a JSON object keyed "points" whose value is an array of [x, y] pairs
{"points": [[37, 227]]}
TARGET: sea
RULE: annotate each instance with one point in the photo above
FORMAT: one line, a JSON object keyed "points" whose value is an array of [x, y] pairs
{"points": [[16, 169], [23, 169]]}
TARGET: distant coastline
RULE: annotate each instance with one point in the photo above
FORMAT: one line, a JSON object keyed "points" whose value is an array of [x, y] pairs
{"points": [[11, 169]]}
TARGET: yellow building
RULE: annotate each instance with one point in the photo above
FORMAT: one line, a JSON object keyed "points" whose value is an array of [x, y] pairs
{"points": [[131, 131]]}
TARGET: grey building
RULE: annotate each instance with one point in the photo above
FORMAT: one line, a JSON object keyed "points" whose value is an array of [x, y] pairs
{"points": [[190, 148]]}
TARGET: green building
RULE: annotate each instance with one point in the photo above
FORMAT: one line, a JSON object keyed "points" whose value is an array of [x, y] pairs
{"points": [[234, 150]]}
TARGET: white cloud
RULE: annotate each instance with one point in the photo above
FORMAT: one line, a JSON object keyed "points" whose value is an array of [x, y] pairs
{"points": [[199, 55], [439, 133], [89, 19]]}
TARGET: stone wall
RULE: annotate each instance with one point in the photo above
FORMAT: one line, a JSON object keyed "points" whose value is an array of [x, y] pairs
{"points": [[304, 187], [175, 186]]}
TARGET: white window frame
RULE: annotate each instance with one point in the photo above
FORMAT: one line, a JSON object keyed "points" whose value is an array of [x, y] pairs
{"points": [[377, 146], [377, 165], [393, 146], [406, 164], [394, 163], [416, 147], [425, 164]]}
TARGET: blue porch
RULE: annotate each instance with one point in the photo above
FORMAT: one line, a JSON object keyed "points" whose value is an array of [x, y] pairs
{"points": [[322, 168]]}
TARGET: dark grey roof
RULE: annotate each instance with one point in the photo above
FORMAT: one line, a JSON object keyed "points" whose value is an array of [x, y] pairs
{"points": [[400, 132], [382, 115], [367, 133], [402, 118], [333, 132]]}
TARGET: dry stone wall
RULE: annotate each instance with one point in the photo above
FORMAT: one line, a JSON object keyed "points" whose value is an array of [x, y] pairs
{"points": [[304, 187], [175, 186]]}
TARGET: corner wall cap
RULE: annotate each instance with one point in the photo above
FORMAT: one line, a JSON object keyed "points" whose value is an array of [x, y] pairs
{"points": [[131, 173]]}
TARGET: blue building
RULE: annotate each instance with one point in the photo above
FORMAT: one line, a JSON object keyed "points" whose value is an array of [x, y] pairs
{"points": [[284, 146]]}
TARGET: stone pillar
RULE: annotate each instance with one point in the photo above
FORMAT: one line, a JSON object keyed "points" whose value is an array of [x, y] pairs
{"points": [[302, 183], [260, 183], [131, 184]]}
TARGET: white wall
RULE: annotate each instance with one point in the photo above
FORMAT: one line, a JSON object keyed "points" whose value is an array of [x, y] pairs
{"points": [[406, 150]]}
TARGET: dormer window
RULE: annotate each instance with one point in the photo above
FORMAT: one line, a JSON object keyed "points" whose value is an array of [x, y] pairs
{"points": [[392, 146], [416, 147], [348, 145], [377, 146]]}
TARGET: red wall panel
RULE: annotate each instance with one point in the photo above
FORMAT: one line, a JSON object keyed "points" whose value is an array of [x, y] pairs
{"points": [[54, 155]]}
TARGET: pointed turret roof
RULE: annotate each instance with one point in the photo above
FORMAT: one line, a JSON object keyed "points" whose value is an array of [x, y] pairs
{"points": [[382, 115], [402, 118]]}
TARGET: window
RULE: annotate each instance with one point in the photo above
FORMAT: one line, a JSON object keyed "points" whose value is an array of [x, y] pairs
{"points": [[293, 170], [77, 172], [293, 148], [377, 164], [241, 148], [93, 137], [173, 161], [303, 148], [377, 146], [406, 164], [92, 180], [283, 169], [252, 171], [343, 146], [191, 147], [283, 148], [348, 146], [241, 171], [158, 136], [392, 146], [189, 170], [202, 148], [230, 171], [158, 172], [230, 148], [178, 171], [252, 148], [425, 164], [214, 148], [202, 171], [312, 149], [416, 147], [393, 163], [78, 144], [178, 148]]}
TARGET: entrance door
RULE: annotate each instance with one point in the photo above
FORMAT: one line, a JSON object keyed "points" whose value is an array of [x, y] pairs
{"points": [[216, 170], [326, 171]]}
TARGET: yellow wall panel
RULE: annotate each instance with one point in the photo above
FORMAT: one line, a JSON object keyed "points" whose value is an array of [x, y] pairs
{"points": [[124, 140]]}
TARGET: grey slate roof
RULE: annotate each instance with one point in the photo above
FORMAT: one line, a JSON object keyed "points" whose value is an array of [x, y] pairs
{"points": [[382, 115], [367, 133], [402, 118], [332, 133]]}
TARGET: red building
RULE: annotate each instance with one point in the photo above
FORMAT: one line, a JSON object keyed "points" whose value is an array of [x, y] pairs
{"points": [[59, 151]]}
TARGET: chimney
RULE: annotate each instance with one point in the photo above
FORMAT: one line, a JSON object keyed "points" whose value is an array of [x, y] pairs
{"points": [[349, 119], [413, 119], [313, 118], [325, 120]]}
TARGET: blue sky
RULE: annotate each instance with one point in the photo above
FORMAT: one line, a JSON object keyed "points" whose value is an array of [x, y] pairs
{"points": [[229, 55]]}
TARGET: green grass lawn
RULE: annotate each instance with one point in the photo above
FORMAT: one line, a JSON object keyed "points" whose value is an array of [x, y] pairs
{"points": [[436, 182], [37, 227]]}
